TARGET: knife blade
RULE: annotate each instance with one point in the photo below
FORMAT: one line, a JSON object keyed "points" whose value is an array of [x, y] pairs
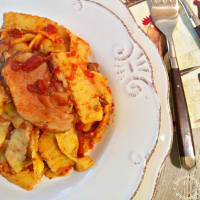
{"points": [[195, 21]]}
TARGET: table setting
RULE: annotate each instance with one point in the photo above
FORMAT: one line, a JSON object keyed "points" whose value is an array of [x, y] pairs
{"points": [[148, 51], [184, 29]]}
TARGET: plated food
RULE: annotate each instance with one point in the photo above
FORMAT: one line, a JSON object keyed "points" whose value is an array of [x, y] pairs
{"points": [[54, 103]]}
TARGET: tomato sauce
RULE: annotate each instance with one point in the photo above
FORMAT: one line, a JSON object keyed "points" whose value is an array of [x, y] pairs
{"points": [[30, 168], [15, 33], [50, 29], [71, 54], [79, 126], [53, 69], [10, 129], [109, 90], [16, 66], [30, 64], [88, 74], [72, 75], [81, 140], [38, 87]]}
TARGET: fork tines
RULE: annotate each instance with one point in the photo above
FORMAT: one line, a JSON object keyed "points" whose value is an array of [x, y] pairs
{"points": [[164, 2]]}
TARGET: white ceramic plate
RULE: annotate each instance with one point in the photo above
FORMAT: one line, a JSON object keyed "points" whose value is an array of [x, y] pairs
{"points": [[140, 88]]}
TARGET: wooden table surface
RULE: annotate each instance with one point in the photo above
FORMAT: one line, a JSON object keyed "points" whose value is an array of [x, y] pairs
{"points": [[176, 183]]}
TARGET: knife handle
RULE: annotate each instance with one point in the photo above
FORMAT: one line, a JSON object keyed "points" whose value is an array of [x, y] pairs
{"points": [[197, 29], [184, 132]]}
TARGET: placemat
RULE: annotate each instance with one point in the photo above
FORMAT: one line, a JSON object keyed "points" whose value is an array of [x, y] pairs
{"points": [[187, 45]]}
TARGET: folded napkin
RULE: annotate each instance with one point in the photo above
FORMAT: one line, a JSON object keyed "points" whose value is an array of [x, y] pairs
{"points": [[187, 46]]}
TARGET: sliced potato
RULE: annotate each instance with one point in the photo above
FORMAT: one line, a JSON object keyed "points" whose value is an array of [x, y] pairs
{"points": [[55, 159], [67, 62], [36, 41], [4, 124], [84, 163], [61, 77], [13, 115], [83, 127], [3, 98], [104, 92], [35, 24], [86, 97], [99, 131], [84, 92], [2, 152], [49, 174], [68, 143], [23, 47], [17, 148], [87, 127], [38, 165], [46, 46], [87, 145], [25, 179], [81, 47], [25, 38]]}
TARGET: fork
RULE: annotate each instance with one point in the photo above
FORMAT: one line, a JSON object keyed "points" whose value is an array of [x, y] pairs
{"points": [[164, 14]]}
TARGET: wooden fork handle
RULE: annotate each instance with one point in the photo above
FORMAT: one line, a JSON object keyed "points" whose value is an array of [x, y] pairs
{"points": [[184, 132]]}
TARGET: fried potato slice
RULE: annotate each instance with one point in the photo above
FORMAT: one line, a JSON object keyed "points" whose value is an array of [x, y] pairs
{"points": [[25, 179], [12, 115], [36, 41], [87, 127], [22, 47], [4, 47], [17, 147], [35, 24], [29, 176], [38, 165], [81, 48], [83, 163], [105, 93], [84, 92], [2, 152], [25, 38], [49, 174], [4, 98], [86, 98], [68, 143], [4, 124], [55, 159], [46, 46]]}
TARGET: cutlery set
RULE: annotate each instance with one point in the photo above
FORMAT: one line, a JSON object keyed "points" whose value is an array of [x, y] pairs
{"points": [[164, 14]]}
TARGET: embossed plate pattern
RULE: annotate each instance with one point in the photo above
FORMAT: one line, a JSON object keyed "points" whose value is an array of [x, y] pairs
{"points": [[122, 156]]}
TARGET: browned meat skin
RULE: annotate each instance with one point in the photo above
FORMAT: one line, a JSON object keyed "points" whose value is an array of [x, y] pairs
{"points": [[38, 109]]}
